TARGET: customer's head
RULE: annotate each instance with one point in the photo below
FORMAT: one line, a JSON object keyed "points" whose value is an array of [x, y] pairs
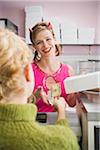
{"points": [[44, 27], [15, 70]]}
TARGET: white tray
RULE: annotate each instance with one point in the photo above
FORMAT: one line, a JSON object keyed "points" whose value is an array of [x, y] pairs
{"points": [[81, 83]]}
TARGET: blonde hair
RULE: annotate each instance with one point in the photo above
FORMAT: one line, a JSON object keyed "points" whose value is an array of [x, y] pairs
{"points": [[14, 56], [40, 27]]}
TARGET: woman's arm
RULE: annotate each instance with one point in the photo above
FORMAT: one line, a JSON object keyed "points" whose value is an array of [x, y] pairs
{"points": [[71, 71]]}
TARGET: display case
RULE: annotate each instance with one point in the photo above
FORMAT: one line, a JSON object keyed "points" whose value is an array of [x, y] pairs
{"points": [[6, 23]]}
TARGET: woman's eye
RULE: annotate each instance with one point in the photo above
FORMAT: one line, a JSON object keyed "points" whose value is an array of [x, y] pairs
{"points": [[48, 39], [37, 43]]}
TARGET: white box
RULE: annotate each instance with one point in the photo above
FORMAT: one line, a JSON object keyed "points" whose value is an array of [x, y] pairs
{"points": [[68, 34], [82, 82], [86, 35], [33, 15]]}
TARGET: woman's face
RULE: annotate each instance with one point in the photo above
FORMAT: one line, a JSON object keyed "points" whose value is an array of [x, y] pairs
{"points": [[45, 43]]}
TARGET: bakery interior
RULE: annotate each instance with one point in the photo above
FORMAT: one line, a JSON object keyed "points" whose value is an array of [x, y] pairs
{"points": [[77, 27]]}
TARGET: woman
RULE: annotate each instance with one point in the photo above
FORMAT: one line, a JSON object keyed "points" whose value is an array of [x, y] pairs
{"points": [[49, 73], [18, 128]]}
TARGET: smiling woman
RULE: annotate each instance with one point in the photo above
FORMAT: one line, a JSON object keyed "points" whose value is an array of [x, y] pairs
{"points": [[46, 66], [38, 37]]}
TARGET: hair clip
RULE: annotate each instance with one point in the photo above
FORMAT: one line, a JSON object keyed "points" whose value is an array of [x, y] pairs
{"points": [[30, 29], [49, 26]]}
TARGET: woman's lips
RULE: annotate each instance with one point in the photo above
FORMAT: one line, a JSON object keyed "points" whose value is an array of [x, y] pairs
{"points": [[47, 50]]}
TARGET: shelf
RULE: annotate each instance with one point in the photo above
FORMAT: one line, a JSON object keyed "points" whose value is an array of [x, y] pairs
{"points": [[78, 57], [80, 44], [77, 44]]}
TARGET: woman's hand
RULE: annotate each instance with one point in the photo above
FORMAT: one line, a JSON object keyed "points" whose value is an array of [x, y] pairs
{"points": [[38, 94], [44, 96], [72, 98]]}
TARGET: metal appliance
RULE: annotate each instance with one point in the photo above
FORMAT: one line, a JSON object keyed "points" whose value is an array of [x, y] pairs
{"points": [[6, 23], [88, 66]]}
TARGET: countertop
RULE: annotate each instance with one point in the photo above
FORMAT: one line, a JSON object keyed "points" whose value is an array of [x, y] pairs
{"points": [[91, 109]]}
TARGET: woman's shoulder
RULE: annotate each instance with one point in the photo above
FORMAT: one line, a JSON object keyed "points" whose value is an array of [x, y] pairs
{"points": [[35, 66], [69, 69]]}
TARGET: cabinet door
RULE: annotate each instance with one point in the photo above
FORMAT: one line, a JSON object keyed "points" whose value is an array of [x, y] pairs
{"points": [[68, 34], [74, 35], [91, 135], [86, 36], [33, 15]]}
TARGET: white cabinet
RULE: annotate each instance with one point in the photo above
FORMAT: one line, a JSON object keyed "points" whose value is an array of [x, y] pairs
{"points": [[65, 33], [90, 118], [33, 15], [85, 35], [68, 34], [75, 35]]}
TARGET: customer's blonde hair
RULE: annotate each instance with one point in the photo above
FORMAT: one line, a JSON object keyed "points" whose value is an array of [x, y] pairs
{"points": [[14, 56]]}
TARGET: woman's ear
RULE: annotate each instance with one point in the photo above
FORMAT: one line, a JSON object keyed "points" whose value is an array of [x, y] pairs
{"points": [[27, 72], [56, 42], [34, 47]]}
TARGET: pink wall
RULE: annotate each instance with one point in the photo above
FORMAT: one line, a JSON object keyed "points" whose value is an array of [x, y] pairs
{"points": [[16, 15], [83, 14], [80, 13]]}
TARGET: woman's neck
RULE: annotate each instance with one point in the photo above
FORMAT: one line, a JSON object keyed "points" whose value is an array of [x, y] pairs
{"points": [[49, 65]]}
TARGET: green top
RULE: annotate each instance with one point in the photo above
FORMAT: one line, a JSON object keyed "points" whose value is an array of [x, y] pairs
{"points": [[20, 131]]}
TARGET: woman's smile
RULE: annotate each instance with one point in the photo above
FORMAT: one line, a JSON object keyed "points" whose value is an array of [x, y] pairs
{"points": [[47, 50]]}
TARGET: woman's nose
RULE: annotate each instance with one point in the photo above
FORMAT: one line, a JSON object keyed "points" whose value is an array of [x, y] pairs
{"points": [[45, 43]]}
